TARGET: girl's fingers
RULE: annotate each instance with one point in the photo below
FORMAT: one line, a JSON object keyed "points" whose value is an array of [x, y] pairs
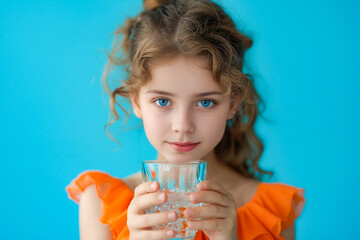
{"points": [[146, 187], [214, 193], [154, 219], [211, 224], [153, 234], [145, 196], [208, 211], [140, 203], [212, 186], [211, 197]]}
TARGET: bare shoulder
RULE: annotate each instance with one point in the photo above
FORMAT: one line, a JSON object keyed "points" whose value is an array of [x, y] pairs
{"points": [[89, 213], [133, 180], [90, 210], [244, 193]]}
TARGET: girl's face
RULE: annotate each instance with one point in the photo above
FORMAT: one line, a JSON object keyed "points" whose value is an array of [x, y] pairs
{"points": [[184, 110]]}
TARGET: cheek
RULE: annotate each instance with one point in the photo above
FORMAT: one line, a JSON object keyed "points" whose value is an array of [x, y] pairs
{"points": [[213, 128], [154, 126]]}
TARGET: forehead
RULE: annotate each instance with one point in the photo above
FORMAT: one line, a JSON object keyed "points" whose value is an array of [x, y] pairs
{"points": [[190, 74]]}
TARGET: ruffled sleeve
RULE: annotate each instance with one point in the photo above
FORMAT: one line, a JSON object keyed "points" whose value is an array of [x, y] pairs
{"points": [[273, 208], [114, 194]]}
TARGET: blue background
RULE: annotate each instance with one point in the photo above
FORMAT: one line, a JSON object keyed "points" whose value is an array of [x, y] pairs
{"points": [[305, 60]]}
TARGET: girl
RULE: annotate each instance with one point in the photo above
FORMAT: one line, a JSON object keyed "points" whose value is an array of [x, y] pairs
{"points": [[184, 60]]}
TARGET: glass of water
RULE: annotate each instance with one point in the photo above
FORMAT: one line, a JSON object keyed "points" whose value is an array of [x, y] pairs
{"points": [[178, 180]]}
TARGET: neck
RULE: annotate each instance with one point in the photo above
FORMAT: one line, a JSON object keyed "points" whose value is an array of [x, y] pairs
{"points": [[215, 168], [221, 172], [212, 164]]}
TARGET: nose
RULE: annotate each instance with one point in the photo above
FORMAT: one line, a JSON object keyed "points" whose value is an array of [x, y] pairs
{"points": [[182, 121]]}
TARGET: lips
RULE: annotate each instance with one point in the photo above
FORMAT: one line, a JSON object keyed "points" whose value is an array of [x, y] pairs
{"points": [[183, 146]]}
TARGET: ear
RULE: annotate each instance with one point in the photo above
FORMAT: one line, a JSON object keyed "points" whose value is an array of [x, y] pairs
{"points": [[231, 114], [233, 109], [135, 105]]}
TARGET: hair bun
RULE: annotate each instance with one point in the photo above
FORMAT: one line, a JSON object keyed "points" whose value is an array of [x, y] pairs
{"points": [[151, 4]]}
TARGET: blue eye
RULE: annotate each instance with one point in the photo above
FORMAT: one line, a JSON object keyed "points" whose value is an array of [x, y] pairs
{"points": [[206, 103], [162, 102]]}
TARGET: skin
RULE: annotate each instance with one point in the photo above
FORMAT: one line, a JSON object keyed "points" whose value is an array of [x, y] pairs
{"points": [[174, 106], [183, 103], [90, 212], [195, 108]]}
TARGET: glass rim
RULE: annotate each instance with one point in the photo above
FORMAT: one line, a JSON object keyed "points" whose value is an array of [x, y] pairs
{"points": [[170, 163]]}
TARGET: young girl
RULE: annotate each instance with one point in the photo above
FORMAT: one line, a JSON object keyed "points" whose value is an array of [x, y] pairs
{"points": [[184, 60]]}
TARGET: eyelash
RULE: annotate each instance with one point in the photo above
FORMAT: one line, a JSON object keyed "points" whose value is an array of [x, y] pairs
{"points": [[212, 103], [156, 101]]}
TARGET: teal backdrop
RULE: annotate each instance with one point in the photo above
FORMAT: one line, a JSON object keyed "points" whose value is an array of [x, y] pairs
{"points": [[305, 61]]}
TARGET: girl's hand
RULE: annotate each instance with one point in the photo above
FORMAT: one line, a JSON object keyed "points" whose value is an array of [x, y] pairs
{"points": [[218, 215], [139, 223]]}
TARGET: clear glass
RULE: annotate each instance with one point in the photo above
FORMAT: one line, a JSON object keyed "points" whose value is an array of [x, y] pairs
{"points": [[178, 180]]}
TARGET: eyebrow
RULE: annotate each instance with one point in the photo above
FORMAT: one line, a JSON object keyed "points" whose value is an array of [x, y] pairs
{"points": [[203, 94]]}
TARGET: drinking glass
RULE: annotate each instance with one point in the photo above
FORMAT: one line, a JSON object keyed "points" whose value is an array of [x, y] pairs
{"points": [[178, 180]]}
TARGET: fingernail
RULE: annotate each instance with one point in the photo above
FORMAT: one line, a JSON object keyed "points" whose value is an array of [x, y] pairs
{"points": [[189, 213], [201, 185], [169, 233], [153, 185], [192, 198], [191, 224], [171, 215], [161, 196]]}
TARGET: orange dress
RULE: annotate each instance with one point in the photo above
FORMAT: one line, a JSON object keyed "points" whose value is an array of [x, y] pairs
{"points": [[273, 208]]}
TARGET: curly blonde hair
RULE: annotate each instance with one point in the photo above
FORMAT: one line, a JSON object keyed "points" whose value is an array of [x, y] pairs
{"points": [[192, 28]]}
